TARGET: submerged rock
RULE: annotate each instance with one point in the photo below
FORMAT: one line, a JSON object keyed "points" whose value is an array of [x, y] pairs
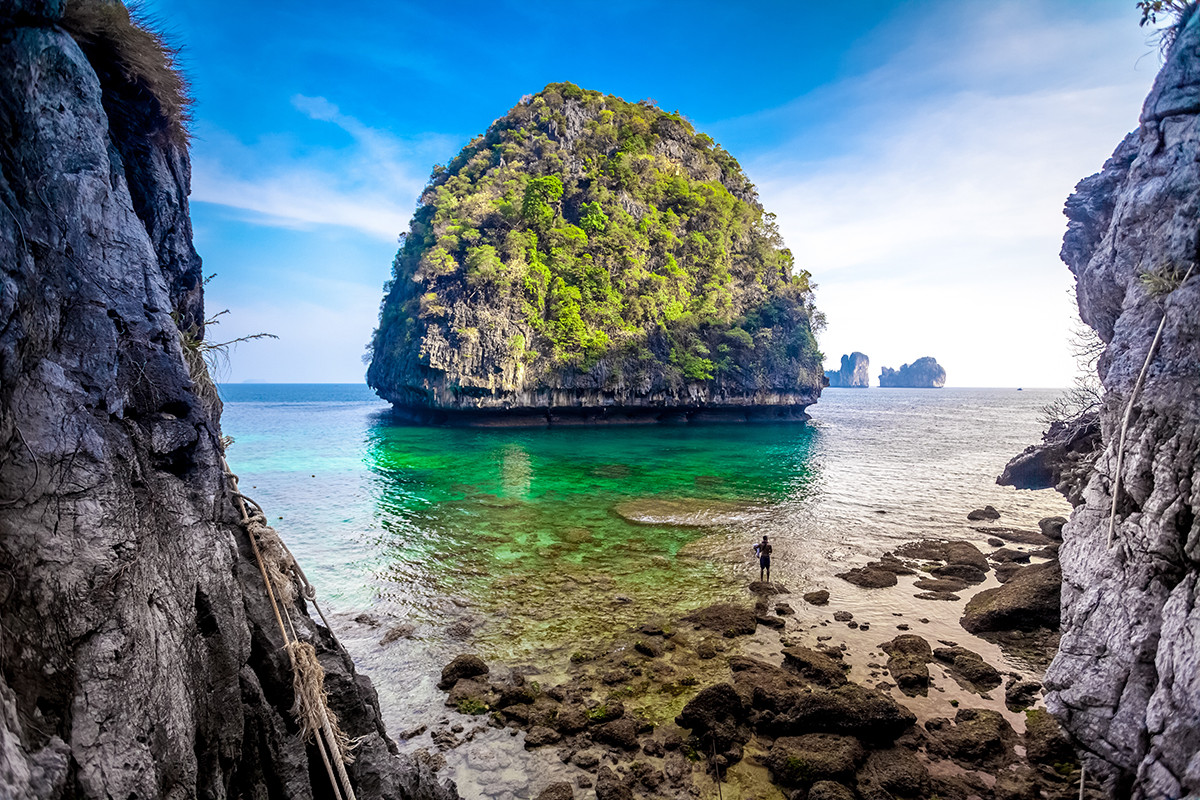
{"points": [[726, 618]]}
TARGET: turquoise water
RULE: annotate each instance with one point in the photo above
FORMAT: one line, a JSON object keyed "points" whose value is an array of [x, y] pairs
{"points": [[529, 544]]}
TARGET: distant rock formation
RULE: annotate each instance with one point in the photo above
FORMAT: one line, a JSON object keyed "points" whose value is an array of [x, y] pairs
{"points": [[854, 374], [924, 373]]}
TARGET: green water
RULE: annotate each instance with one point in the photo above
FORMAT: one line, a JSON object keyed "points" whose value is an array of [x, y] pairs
{"points": [[550, 532], [527, 545]]}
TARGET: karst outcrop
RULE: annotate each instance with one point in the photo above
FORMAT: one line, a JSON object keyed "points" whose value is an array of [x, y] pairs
{"points": [[139, 655], [593, 260], [854, 373], [924, 373], [1126, 680]]}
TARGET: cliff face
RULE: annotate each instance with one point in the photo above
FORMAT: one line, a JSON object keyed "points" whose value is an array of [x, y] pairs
{"points": [[855, 373], [924, 373], [139, 655], [589, 259], [1126, 681]]}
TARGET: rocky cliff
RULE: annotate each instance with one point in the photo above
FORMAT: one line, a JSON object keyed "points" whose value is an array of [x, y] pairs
{"points": [[589, 259], [1126, 680], [854, 373], [139, 657], [924, 373]]}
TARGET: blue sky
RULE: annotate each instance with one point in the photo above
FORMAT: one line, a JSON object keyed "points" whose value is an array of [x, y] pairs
{"points": [[917, 154]]}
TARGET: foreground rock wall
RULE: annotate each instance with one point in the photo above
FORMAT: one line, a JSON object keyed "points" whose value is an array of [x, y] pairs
{"points": [[1126, 681], [139, 656]]}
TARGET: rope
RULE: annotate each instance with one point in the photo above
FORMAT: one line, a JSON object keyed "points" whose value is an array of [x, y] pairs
{"points": [[283, 577], [1137, 388]]}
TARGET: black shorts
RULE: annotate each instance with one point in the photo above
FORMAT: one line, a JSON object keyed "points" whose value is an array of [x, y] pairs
{"points": [[764, 561]]}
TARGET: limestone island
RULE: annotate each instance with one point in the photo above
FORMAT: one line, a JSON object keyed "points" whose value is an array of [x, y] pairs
{"points": [[854, 374], [590, 260], [924, 373]]}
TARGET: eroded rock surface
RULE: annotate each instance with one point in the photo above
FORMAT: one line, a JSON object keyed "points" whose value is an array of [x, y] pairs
{"points": [[140, 655], [1126, 680]]}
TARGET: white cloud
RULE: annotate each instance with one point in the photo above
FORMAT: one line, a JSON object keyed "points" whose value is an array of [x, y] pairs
{"points": [[371, 185], [937, 231]]}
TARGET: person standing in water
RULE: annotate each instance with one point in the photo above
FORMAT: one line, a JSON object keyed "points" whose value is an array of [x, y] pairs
{"points": [[763, 551]]}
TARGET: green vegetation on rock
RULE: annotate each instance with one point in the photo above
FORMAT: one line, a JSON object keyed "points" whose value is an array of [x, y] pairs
{"points": [[588, 242]]}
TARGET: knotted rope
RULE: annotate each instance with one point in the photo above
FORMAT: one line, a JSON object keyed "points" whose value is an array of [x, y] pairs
{"points": [[285, 581]]}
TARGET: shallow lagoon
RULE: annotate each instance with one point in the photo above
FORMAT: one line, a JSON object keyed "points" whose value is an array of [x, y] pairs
{"points": [[527, 545]]}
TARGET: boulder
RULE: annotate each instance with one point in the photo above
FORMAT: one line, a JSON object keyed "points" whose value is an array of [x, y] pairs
{"points": [[948, 550], [803, 760], [977, 739], [813, 666], [1030, 599], [611, 787], [540, 736], [963, 572], [464, 666], [726, 618], [850, 709], [717, 715], [869, 578], [1052, 527], [817, 598], [829, 790], [940, 584], [985, 513], [969, 668], [1016, 535], [893, 774], [1020, 695], [1045, 742], [557, 791], [908, 657], [621, 733], [571, 719], [1008, 555]]}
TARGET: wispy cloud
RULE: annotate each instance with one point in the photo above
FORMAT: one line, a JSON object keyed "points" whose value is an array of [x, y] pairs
{"points": [[935, 228], [370, 184]]}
